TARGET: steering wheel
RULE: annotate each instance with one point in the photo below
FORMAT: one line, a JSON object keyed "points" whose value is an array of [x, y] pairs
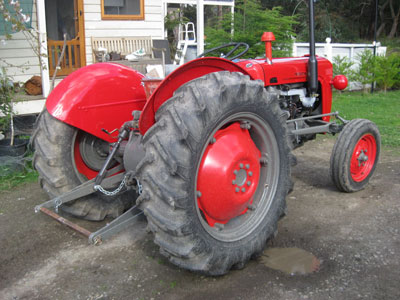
{"points": [[235, 47]]}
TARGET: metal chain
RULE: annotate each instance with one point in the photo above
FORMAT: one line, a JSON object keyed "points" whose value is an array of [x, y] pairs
{"points": [[140, 187], [108, 193]]}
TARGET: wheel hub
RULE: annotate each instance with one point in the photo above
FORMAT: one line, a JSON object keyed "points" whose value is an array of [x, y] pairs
{"points": [[93, 151], [362, 158], [361, 164], [228, 175]]}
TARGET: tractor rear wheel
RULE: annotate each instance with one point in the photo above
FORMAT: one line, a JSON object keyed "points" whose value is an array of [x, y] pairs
{"points": [[65, 157], [355, 155], [216, 172]]}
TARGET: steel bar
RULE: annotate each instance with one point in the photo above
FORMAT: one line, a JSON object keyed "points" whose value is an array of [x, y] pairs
{"points": [[122, 222], [66, 222], [312, 130], [336, 114], [84, 189]]}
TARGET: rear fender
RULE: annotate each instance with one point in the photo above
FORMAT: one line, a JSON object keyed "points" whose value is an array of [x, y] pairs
{"points": [[183, 74], [98, 96]]}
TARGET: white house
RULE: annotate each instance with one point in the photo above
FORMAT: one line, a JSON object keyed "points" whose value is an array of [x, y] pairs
{"points": [[83, 20]]}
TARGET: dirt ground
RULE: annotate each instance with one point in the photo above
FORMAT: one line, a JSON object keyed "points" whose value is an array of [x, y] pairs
{"points": [[356, 237]]}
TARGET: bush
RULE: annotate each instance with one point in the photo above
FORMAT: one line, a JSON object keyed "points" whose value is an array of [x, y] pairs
{"points": [[343, 66], [366, 68], [387, 71], [6, 97]]}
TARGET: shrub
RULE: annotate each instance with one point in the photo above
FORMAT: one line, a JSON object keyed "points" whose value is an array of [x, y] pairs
{"points": [[366, 68], [387, 71], [6, 102], [343, 66]]}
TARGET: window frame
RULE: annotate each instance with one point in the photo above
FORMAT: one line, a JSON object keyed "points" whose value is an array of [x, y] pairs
{"points": [[123, 17]]}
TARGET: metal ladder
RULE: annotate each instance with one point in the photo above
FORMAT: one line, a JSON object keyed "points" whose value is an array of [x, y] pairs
{"points": [[187, 37]]}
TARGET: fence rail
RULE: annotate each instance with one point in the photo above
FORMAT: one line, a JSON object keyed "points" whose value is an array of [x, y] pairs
{"points": [[330, 50], [71, 59]]}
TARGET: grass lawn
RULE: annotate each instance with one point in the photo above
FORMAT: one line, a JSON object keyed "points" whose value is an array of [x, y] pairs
{"points": [[382, 109]]}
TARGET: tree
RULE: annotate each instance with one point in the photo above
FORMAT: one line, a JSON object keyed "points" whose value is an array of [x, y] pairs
{"points": [[250, 20]]}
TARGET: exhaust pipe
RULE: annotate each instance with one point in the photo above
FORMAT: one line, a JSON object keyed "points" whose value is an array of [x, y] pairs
{"points": [[312, 70]]}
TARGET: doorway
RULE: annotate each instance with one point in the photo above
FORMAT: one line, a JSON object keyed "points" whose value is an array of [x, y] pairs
{"points": [[65, 17]]}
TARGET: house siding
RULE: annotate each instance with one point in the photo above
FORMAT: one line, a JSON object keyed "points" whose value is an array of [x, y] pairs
{"points": [[21, 62], [152, 25], [17, 56]]}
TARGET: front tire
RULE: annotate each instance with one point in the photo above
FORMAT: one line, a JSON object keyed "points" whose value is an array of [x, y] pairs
{"points": [[355, 155], [62, 165], [216, 172]]}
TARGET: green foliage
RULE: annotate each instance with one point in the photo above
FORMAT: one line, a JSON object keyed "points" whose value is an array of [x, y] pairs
{"points": [[343, 66], [6, 97], [250, 20], [384, 70], [387, 71], [366, 67], [15, 179], [381, 108], [171, 21], [10, 180]]}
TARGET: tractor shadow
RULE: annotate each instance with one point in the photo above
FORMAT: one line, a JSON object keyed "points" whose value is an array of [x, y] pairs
{"points": [[313, 172]]}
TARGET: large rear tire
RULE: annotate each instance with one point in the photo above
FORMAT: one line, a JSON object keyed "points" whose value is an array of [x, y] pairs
{"points": [[65, 157], [216, 172]]}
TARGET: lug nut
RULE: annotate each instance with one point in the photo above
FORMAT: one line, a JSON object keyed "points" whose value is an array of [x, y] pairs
{"points": [[248, 183], [237, 190], [245, 125], [250, 173], [198, 194], [233, 182], [235, 172], [219, 226], [243, 190], [241, 166], [247, 166]]}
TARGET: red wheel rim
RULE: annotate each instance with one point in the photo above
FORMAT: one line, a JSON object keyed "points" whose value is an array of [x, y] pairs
{"points": [[363, 158], [228, 175], [80, 165]]}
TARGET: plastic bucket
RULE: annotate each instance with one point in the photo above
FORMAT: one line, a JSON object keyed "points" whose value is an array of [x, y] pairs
{"points": [[150, 85]]}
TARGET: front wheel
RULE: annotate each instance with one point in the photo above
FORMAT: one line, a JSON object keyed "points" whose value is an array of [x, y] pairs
{"points": [[355, 155], [216, 172]]}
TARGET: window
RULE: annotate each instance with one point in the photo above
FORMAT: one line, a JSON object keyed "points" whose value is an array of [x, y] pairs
{"points": [[122, 9], [10, 15]]}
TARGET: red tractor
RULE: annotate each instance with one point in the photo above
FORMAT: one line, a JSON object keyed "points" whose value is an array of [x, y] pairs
{"points": [[205, 155]]}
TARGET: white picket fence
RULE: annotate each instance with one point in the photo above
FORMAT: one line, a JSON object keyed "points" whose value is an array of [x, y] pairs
{"points": [[330, 50]]}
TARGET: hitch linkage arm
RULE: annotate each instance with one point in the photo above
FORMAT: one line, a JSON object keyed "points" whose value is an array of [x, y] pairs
{"points": [[123, 134], [321, 126], [123, 221], [89, 187]]}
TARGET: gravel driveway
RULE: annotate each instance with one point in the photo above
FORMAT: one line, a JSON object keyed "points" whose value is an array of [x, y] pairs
{"points": [[355, 236]]}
